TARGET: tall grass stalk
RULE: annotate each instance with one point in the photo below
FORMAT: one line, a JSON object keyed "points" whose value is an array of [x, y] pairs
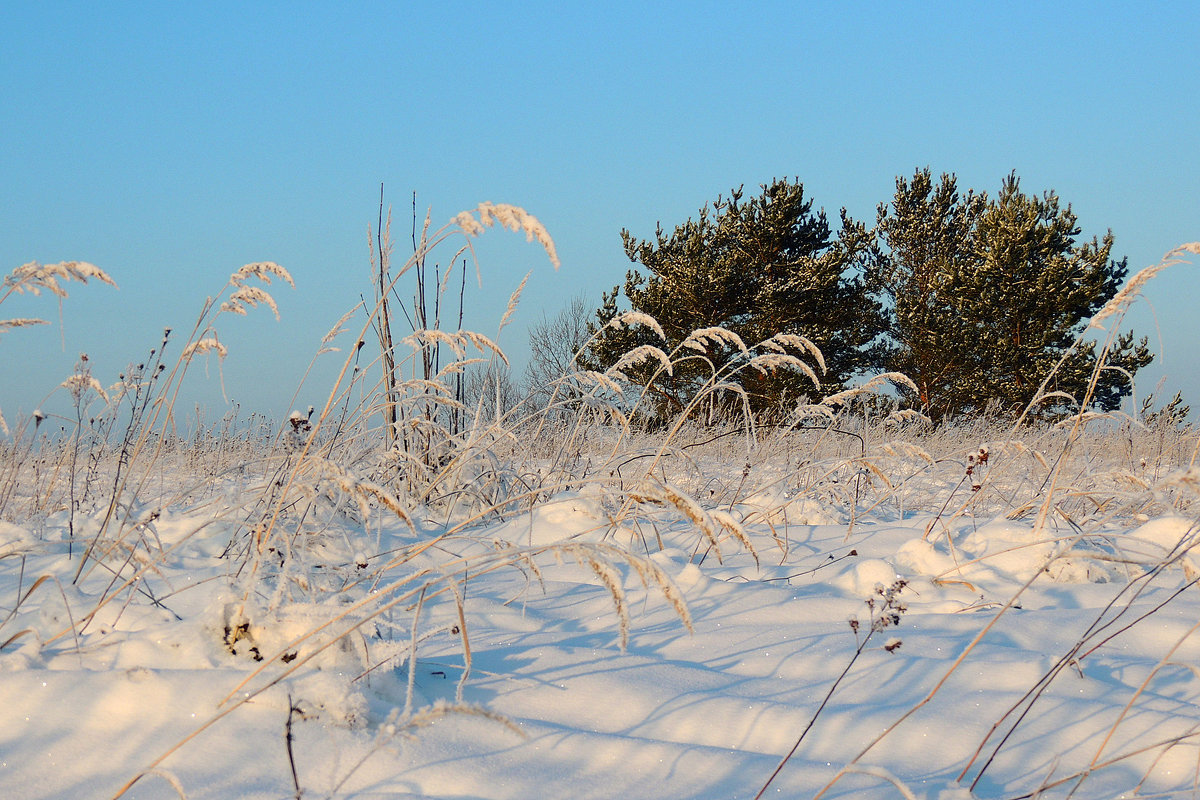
{"points": [[1049, 496], [395, 447]]}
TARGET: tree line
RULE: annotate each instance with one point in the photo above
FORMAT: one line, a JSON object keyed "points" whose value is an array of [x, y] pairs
{"points": [[976, 299]]}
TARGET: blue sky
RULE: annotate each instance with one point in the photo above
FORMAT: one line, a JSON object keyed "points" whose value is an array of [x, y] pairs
{"points": [[170, 144]]}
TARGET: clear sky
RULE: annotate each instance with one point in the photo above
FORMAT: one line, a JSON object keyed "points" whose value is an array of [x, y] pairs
{"points": [[169, 144]]}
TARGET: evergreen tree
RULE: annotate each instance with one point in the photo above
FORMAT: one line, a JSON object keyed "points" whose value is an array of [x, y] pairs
{"points": [[756, 266], [988, 296], [928, 234]]}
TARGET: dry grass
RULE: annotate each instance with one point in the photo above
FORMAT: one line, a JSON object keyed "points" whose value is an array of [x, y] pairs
{"points": [[393, 446]]}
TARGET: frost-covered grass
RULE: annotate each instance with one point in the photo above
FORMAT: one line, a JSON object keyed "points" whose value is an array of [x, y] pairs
{"points": [[549, 601], [542, 649]]}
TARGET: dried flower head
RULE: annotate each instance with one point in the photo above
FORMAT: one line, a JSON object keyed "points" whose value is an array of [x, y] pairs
{"points": [[508, 216], [699, 338], [206, 345], [20, 322], [798, 342], [636, 318], [1121, 301], [263, 270], [876, 382], [771, 362], [34, 277], [79, 384], [249, 296], [639, 354]]}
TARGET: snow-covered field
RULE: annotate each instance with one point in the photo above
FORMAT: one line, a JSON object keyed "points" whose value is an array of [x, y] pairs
{"points": [[268, 627]]}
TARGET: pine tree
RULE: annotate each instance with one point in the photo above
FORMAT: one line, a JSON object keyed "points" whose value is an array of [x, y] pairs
{"points": [[756, 266], [928, 234], [988, 296]]}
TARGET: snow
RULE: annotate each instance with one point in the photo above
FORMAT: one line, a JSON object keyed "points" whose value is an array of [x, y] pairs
{"points": [[192, 677]]}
